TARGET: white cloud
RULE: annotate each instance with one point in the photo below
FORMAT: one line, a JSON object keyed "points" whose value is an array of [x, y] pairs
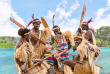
{"points": [[6, 11], [50, 14], [63, 11], [72, 21], [74, 6], [63, 15], [100, 12], [103, 17], [108, 3]]}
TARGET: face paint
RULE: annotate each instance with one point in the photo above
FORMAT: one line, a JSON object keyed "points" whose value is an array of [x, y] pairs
{"points": [[77, 41]]}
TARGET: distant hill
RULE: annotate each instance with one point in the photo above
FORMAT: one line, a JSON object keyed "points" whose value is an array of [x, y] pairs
{"points": [[8, 42], [103, 36]]}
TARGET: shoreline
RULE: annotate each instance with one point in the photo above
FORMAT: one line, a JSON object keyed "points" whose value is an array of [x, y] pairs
{"points": [[7, 48], [14, 48], [104, 47]]}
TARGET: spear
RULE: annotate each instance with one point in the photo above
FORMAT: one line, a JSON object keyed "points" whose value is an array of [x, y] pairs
{"points": [[53, 19], [21, 26], [30, 21], [41, 61], [73, 55], [83, 14]]}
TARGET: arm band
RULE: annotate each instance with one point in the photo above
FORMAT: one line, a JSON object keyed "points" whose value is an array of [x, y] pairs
{"points": [[22, 67]]}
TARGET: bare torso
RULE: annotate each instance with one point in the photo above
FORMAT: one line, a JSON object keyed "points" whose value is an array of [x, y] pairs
{"points": [[36, 33]]}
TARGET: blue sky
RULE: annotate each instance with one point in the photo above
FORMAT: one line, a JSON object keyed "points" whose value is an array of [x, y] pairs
{"points": [[67, 13]]}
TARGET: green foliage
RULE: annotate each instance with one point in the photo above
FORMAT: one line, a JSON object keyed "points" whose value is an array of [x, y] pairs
{"points": [[102, 39], [8, 42], [103, 36]]}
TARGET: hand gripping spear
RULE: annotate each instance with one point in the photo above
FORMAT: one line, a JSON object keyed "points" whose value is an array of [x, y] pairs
{"points": [[21, 26], [46, 26], [82, 17]]}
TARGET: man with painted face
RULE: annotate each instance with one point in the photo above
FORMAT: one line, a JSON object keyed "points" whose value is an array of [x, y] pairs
{"points": [[42, 35], [67, 36], [88, 33], [72, 63], [56, 30], [83, 63], [35, 30], [23, 54], [86, 57]]}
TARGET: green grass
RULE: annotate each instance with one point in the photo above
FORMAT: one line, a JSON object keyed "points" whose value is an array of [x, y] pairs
{"points": [[7, 45]]}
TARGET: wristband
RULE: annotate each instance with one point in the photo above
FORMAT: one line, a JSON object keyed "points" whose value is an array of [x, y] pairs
{"points": [[22, 67]]}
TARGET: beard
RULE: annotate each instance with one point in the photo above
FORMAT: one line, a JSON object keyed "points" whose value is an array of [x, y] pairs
{"points": [[37, 28]]}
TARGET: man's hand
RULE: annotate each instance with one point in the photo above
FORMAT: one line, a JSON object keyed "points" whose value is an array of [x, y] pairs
{"points": [[79, 30], [70, 63], [25, 70], [96, 54], [74, 48], [20, 63], [39, 63], [52, 38], [57, 56], [73, 56], [54, 56]]}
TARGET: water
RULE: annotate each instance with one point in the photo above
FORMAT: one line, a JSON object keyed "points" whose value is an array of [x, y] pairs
{"points": [[8, 66], [103, 60]]}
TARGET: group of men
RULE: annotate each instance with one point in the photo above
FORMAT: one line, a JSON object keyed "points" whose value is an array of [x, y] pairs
{"points": [[33, 44]]}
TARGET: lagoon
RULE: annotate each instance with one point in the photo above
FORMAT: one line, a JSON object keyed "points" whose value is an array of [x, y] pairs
{"points": [[8, 66]]}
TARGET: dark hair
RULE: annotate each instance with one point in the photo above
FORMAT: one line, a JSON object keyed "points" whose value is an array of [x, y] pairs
{"points": [[55, 26], [21, 31], [35, 20]]}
